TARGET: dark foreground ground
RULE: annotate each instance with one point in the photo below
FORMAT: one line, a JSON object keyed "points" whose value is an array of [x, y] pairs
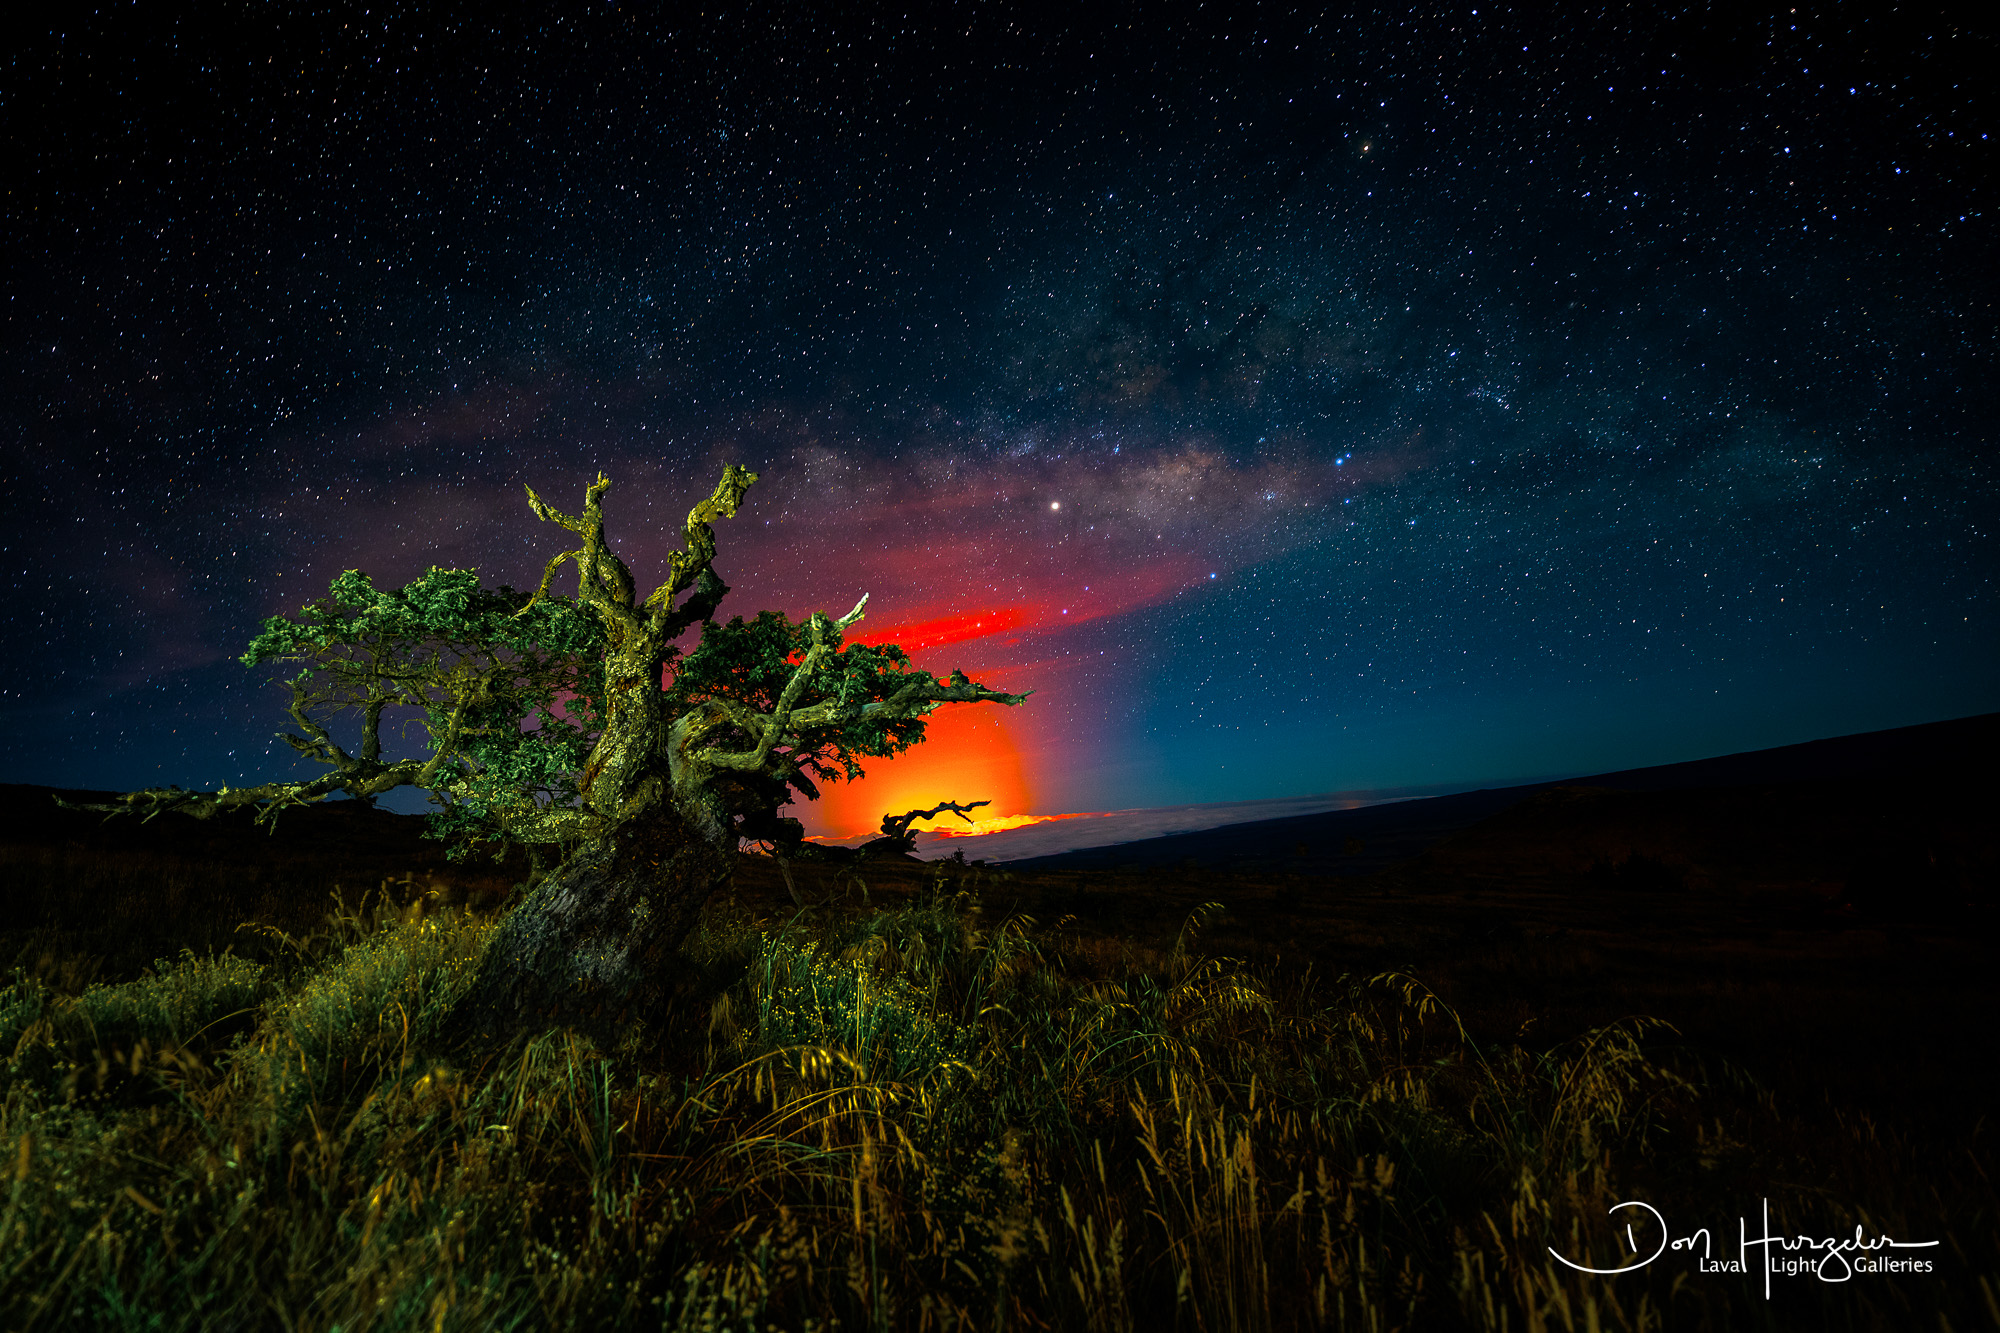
{"points": [[1094, 1099], [1823, 915]]}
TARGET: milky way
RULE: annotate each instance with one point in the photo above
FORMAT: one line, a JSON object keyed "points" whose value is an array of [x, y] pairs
{"points": [[1300, 404]]}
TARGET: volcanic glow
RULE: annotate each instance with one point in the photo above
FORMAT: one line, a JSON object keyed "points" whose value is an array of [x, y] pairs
{"points": [[967, 756], [950, 826], [948, 629]]}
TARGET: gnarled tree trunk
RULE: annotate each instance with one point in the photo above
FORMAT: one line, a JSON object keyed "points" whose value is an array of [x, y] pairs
{"points": [[591, 947]]}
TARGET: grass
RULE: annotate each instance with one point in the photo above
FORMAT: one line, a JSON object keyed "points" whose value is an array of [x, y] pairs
{"points": [[904, 1115]]}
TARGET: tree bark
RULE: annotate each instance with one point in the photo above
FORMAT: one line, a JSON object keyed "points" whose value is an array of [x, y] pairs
{"points": [[591, 947]]}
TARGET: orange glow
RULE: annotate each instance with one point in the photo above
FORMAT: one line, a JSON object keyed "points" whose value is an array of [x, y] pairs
{"points": [[936, 633], [966, 756], [950, 826]]}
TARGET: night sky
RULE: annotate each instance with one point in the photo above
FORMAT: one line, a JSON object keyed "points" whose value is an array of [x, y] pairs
{"points": [[1299, 401]]}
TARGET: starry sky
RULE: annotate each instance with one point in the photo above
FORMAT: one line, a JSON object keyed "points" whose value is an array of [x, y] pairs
{"points": [[1300, 401]]}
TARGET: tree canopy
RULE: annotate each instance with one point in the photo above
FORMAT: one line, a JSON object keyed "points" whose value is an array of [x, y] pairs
{"points": [[525, 705], [579, 723]]}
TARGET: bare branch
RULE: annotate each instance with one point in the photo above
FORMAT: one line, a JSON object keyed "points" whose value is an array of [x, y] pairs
{"points": [[449, 744], [323, 747], [613, 593], [913, 700], [808, 666], [371, 725], [898, 826], [687, 565], [549, 571], [361, 780], [603, 582], [548, 513], [542, 826], [709, 592]]}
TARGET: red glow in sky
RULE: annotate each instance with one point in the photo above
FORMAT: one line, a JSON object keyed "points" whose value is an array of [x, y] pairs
{"points": [[944, 630], [981, 563], [952, 550]]}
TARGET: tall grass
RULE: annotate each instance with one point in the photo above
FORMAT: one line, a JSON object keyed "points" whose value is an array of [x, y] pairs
{"points": [[904, 1118]]}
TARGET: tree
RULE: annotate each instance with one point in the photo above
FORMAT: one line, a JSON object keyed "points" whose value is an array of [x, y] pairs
{"points": [[896, 835], [577, 728]]}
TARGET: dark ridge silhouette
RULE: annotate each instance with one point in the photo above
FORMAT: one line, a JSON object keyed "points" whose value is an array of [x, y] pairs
{"points": [[1935, 764], [29, 814]]}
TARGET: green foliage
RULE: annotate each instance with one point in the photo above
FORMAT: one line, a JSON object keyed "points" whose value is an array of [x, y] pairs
{"points": [[444, 608], [752, 661], [511, 700]]}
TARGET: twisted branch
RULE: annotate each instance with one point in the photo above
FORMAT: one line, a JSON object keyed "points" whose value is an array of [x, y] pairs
{"points": [[689, 565], [898, 826]]}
